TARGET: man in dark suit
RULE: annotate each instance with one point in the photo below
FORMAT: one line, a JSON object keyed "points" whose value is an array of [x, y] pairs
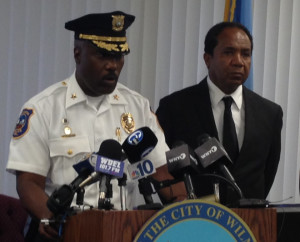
{"points": [[187, 114]]}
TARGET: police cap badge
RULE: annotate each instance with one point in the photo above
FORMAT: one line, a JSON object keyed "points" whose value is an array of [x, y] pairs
{"points": [[105, 30]]}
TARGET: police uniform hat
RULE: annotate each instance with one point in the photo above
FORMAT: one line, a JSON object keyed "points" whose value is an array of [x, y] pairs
{"points": [[105, 30]]}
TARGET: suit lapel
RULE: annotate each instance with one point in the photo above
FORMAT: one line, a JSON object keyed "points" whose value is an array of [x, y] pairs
{"points": [[250, 121]]}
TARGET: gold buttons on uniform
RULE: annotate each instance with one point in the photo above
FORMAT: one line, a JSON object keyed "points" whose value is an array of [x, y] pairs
{"points": [[70, 152], [67, 130]]}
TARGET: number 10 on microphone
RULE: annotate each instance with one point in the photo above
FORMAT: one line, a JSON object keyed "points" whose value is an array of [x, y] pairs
{"points": [[141, 169]]}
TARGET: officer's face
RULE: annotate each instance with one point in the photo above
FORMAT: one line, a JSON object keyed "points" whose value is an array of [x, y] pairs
{"points": [[96, 73], [229, 65]]}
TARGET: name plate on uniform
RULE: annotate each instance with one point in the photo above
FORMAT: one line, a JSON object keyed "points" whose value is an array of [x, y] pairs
{"points": [[195, 220]]}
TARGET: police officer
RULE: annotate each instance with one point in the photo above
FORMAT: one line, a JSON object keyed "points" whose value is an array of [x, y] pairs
{"points": [[71, 118]]}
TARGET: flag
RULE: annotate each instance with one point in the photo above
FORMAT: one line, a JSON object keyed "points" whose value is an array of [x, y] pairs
{"points": [[240, 11]]}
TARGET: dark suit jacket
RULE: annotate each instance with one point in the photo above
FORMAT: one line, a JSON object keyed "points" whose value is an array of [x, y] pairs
{"points": [[187, 114]]}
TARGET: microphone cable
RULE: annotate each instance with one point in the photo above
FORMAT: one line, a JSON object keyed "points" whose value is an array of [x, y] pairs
{"points": [[233, 185]]}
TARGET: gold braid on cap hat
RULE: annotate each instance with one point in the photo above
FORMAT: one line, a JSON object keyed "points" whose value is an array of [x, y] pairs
{"points": [[99, 41], [102, 38]]}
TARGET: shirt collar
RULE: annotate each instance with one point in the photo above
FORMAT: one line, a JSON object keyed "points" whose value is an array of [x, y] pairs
{"points": [[116, 97], [216, 94], [76, 95], [74, 92]]}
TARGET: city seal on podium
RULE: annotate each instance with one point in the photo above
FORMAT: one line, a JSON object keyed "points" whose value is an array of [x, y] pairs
{"points": [[195, 220]]}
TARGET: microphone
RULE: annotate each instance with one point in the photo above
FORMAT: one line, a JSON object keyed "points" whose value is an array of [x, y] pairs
{"points": [[89, 163], [141, 171], [61, 199], [108, 164], [182, 163], [210, 150], [213, 155], [94, 162], [137, 146], [89, 171]]}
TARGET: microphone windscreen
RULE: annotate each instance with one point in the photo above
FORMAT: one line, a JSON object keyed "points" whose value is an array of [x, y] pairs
{"points": [[111, 149], [139, 144], [109, 158]]}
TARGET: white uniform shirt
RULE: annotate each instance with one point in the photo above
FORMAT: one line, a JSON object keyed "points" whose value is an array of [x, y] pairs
{"points": [[39, 146]]}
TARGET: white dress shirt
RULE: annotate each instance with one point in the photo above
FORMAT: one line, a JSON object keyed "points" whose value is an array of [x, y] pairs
{"points": [[237, 109]]}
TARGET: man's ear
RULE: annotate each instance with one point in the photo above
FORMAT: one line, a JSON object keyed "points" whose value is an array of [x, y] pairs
{"points": [[77, 54], [206, 58]]}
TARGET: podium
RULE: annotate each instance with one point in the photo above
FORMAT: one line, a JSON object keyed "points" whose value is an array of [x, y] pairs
{"points": [[122, 226], [96, 225]]}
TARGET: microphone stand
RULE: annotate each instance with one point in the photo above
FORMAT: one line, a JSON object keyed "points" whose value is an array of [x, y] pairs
{"points": [[80, 196], [216, 187], [146, 190], [163, 184], [122, 184], [189, 186], [105, 193]]}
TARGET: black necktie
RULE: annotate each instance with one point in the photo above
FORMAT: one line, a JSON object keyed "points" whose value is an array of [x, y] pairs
{"points": [[230, 141]]}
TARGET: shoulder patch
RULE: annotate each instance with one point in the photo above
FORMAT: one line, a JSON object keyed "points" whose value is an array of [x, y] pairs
{"points": [[22, 125]]}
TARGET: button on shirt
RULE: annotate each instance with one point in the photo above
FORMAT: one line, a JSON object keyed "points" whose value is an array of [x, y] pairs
{"points": [[237, 109], [43, 149]]}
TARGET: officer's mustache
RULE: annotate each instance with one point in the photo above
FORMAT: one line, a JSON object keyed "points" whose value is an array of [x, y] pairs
{"points": [[111, 76]]}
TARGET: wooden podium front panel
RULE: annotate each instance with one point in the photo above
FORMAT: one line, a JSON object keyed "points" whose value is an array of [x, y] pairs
{"points": [[261, 221], [122, 226], [96, 225]]}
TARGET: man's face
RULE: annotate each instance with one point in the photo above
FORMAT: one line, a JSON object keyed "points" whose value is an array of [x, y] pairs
{"points": [[230, 63], [96, 73]]}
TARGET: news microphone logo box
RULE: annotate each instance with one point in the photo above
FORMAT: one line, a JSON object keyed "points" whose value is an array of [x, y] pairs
{"points": [[109, 166], [141, 169], [136, 137], [209, 152], [181, 157]]}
